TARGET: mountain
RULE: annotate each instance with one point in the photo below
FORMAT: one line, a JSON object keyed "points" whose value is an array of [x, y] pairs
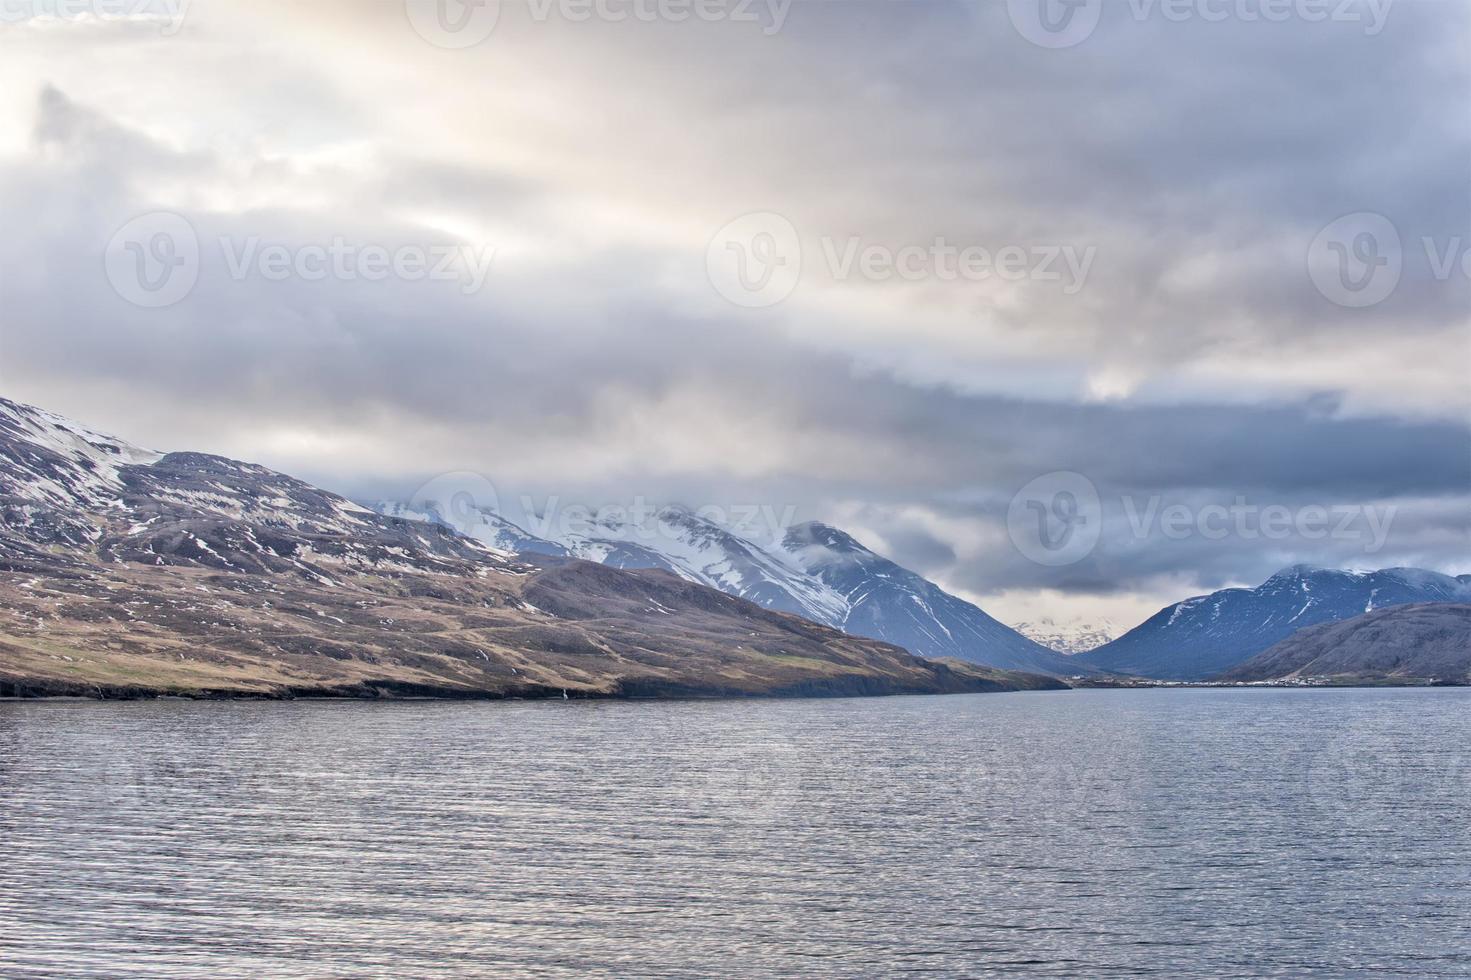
{"points": [[1428, 643], [483, 525], [1208, 635], [1069, 638], [674, 539], [128, 572], [887, 602], [816, 572], [696, 548]]}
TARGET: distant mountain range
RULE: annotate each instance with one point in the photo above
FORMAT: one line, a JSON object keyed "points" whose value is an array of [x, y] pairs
{"points": [[1428, 643], [125, 572], [816, 571], [1204, 636], [823, 574], [129, 571]]}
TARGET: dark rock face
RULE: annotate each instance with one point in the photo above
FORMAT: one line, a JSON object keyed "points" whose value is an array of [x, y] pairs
{"points": [[1423, 642], [1201, 637], [128, 573]]}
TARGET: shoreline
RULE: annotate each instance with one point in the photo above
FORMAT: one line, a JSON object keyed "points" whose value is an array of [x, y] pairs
{"points": [[390, 698]]}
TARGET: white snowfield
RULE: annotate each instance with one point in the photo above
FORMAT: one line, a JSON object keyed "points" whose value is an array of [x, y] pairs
{"points": [[673, 538]]}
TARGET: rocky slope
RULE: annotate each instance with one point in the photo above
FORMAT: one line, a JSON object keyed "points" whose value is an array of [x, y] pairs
{"points": [[126, 572], [1207, 635], [816, 572], [1418, 643]]}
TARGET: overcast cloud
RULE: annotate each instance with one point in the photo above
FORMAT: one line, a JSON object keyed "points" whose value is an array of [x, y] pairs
{"points": [[1184, 346]]}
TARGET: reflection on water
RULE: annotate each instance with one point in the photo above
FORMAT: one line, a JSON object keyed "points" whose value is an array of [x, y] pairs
{"points": [[1178, 832]]}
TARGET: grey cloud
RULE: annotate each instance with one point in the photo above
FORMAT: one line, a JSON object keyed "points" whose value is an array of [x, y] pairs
{"points": [[1214, 148]]}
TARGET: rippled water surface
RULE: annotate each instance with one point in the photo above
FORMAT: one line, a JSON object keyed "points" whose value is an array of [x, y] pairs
{"points": [[1176, 832]]}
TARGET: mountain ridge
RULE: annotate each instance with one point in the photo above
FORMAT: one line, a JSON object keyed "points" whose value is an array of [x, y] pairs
{"points": [[1206, 635], [126, 572], [815, 571], [888, 601], [1426, 643]]}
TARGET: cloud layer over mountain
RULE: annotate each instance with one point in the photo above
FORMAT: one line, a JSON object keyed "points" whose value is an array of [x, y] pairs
{"points": [[584, 168]]}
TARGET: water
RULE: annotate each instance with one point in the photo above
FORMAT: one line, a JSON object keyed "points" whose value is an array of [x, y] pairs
{"points": [[1174, 832]]}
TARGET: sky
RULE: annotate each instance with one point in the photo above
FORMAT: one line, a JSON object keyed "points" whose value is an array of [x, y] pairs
{"points": [[1074, 310]]}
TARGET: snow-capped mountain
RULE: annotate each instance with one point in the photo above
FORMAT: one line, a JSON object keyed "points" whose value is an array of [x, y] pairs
{"points": [[888, 602], [1069, 638], [816, 572], [50, 468], [698, 549], [62, 484], [481, 524], [53, 460], [1207, 635], [672, 538], [125, 572]]}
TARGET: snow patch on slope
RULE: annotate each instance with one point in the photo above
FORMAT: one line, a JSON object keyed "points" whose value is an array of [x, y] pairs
{"points": [[68, 462]]}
